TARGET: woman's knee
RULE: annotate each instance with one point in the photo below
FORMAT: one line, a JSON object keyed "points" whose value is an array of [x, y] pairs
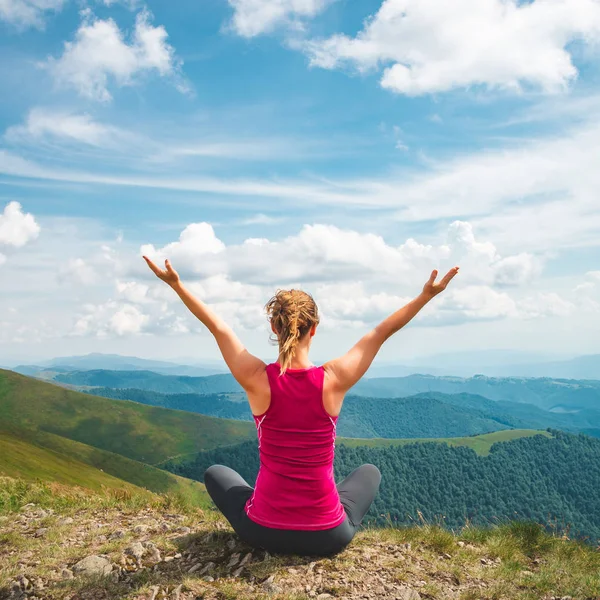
{"points": [[372, 472]]}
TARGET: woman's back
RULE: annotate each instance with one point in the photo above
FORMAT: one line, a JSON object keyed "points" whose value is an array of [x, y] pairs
{"points": [[295, 487]]}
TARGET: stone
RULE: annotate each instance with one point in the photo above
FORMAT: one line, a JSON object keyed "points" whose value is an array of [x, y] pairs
{"points": [[208, 578], [231, 544], [65, 521], [233, 560], [238, 571], [177, 592], [269, 585], [208, 567], [248, 558], [184, 530], [41, 532], [324, 596], [461, 544], [136, 550], [66, 574], [117, 535], [406, 593], [93, 565], [194, 568], [140, 530]]}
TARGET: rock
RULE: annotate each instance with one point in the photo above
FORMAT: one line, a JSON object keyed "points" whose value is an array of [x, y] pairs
{"points": [[117, 535], [324, 596], [208, 578], [248, 558], [140, 530], [27, 507], [406, 593], [177, 592], [208, 567], [66, 574], [41, 532], [194, 568], [233, 560], [184, 530], [93, 565], [238, 571], [136, 550], [65, 521], [269, 586], [461, 544], [169, 559]]}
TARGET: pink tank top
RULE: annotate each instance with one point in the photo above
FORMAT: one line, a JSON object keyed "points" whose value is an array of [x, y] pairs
{"points": [[295, 487]]}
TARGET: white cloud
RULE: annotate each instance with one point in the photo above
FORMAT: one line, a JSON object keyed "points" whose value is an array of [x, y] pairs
{"points": [[100, 55], [253, 17], [78, 271], [427, 46], [16, 227], [42, 123], [27, 13]]}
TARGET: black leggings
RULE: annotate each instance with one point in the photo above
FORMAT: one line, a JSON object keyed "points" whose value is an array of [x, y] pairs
{"points": [[229, 491]]}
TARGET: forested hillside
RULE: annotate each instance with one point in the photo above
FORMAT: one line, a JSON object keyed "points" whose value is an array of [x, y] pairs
{"points": [[551, 480]]}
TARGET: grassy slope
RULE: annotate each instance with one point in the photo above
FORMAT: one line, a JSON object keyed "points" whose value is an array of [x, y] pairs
{"points": [[19, 458], [480, 443], [54, 458], [144, 433]]}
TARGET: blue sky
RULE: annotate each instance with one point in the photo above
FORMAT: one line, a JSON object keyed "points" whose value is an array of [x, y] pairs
{"points": [[345, 148]]}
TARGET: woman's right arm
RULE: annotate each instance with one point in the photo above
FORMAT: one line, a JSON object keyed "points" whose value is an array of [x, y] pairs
{"points": [[345, 371]]}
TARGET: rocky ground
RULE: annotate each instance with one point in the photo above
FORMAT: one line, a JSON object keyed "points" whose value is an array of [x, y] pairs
{"points": [[150, 554]]}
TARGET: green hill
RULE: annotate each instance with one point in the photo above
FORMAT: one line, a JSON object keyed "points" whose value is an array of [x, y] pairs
{"points": [[19, 458], [144, 433], [38, 455]]}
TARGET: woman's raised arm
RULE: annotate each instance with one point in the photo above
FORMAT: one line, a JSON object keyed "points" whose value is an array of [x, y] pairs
{"points": [[245, 367], [346, 371]]}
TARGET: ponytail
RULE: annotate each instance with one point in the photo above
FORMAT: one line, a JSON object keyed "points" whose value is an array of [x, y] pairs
{"points": [[292, 313]]}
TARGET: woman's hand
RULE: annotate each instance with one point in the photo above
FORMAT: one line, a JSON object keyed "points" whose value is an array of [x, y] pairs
{"points": [[432, 289], [169, 275]]}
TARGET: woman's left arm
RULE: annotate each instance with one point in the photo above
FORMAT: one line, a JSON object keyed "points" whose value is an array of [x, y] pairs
{"points": [[245, 367]]}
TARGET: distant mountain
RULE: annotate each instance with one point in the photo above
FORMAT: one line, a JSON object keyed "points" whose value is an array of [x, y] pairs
{"points": [[117, 362], [360, 418], [149, 380], [493, 363], [548, 394]]}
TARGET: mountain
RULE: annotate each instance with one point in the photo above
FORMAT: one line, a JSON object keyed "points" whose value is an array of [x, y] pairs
{"points": [[548, 479], [151, 381], [360, 417], [117, 362], [143, 433], [427, 414], [545, 393], [494, 363]]}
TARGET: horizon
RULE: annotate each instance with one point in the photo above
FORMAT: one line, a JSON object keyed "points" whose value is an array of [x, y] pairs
{"points": [[307, 148]]}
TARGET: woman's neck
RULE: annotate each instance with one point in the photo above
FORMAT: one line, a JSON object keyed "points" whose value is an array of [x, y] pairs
{"points": [[300, 360]]}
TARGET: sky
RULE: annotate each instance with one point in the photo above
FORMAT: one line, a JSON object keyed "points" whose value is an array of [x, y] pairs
{"points": [[343, 148]]}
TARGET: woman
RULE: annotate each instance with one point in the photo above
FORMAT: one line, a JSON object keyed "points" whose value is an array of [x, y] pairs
{"points": [[295, 506]]}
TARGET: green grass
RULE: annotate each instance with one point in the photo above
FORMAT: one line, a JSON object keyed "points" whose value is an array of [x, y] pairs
{"points": [[39, 456], [18, 458], [480, 443], [144, 433]]}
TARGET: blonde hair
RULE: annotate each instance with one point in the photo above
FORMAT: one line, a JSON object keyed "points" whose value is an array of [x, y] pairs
{"points": [[292, 314]]}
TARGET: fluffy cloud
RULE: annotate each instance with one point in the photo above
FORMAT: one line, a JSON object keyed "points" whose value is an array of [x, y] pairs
{"points": [[16, 227], [78, 271], [43, 123], [427, 46], [27, 13], [325, 253], [253, 17], [100, 54]]}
